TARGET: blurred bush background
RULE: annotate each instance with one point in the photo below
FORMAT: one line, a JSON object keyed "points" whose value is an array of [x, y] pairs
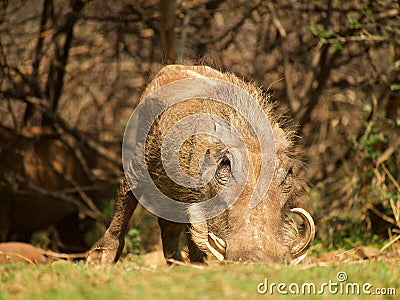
{"points": [[71, 72]]}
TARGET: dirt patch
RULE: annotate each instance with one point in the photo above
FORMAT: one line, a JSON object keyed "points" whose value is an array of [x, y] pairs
{"points": [[13, 252]]}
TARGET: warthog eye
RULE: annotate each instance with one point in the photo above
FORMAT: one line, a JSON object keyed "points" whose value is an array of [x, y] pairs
{"points": [[287, 182], [223, 171]]}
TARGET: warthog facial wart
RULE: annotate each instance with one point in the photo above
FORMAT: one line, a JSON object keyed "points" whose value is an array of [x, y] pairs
{"points": [[206, 153]]}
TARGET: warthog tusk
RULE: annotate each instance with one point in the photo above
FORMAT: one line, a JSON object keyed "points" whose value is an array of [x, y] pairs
{"points": [[301, 248], [216, 246]]}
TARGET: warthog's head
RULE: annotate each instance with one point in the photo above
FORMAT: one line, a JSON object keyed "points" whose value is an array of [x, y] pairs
{"points": [[259, 220], [269, 231]]}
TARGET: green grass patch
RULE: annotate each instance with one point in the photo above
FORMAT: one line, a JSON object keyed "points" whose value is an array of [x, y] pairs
{"points": [[130, 280]]}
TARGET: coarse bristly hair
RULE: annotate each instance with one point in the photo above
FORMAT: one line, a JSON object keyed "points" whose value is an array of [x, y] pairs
{"points": [[285, 146], [264, 233]]}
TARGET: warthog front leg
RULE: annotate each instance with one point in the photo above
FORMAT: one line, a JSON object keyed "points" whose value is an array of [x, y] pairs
{"points": [[109, 248], [170, 236], [195, 254]]}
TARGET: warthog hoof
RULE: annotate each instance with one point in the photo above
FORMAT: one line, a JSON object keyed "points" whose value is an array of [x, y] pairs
{"points": [[105, 252]]}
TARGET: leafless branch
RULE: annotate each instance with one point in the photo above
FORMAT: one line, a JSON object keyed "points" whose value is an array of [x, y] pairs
{"points": [[294, 103]]}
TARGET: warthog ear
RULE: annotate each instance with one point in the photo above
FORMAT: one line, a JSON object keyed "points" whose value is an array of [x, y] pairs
{"points": [[217, 166], [223, 172], [300, 249]]}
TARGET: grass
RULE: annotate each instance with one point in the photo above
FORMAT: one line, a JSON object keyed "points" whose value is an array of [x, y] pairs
{"points": [[133, 280]]}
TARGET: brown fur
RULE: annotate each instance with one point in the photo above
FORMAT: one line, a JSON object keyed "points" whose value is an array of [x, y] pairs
{"points": [[265, 233]]}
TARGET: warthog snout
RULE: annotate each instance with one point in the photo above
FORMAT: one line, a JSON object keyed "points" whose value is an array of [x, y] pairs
{"points": [[218, 247]]}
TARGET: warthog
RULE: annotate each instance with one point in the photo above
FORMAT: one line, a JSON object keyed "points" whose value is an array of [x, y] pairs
{"points": [[266, 232]]}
